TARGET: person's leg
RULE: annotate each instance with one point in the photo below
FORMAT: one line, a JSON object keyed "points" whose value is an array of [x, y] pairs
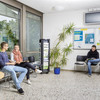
{"points": [[89, 64], [95, 61], [24, 66], [10, 69], [23, 72], [28, 76], [89, 68], [33, 67], [28, 73]]}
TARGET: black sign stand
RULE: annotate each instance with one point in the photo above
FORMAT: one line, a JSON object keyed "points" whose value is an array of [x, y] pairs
{"points": [[45, 54]]}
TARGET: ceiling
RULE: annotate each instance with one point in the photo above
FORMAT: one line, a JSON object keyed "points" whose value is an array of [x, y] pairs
{"points": [[49, 6]]}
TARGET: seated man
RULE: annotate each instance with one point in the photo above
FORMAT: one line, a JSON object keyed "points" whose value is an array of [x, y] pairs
{"points": [[8, 66], [92, 57]]}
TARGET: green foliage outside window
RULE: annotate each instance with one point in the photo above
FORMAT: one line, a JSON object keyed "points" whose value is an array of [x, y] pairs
{"points": [[6, 30]]}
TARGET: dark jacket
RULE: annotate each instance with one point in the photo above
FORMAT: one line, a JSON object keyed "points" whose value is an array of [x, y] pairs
{"points": [[92, 54]]}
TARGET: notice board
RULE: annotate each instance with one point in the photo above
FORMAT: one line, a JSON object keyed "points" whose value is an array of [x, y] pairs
{"points": [[84, 38]]}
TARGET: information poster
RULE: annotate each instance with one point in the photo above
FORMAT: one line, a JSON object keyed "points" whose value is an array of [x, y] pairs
{"points": [[84, 38], [45, 55], [78, 35], [45, 65], [89, 38]]}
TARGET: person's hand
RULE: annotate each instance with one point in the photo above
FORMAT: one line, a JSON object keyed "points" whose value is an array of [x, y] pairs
{"points": [[93, 58], [26, 61], [10, 63], [13, 63], [18, 62], [86, 60]]}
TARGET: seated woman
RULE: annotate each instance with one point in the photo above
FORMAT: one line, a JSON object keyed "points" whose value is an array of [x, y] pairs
{"points": [[17, 57]]}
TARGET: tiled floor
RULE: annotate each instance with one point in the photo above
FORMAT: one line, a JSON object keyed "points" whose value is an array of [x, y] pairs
{"points": [[66, 86]]}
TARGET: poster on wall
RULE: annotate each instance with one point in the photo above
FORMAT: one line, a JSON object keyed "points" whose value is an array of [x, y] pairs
{"points": [[78, 35], [89, 38], [84, 38], [45, 55]]}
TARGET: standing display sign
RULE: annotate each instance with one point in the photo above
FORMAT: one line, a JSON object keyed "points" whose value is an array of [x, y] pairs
{"points": [[45, 54]]}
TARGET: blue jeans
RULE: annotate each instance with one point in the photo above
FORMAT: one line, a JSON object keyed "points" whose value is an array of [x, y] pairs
{"points": [[12, 70], [89, 65]]}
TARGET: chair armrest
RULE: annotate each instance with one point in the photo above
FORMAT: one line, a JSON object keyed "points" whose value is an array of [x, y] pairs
{"points": [[85, 64], [80, 63], [98, 64]]}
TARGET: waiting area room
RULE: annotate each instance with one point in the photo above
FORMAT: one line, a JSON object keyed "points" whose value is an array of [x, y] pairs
{"points": [[49, 49]]}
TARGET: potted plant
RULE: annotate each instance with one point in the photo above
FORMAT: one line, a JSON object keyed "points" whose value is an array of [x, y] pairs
{"points": [[58, 55]]}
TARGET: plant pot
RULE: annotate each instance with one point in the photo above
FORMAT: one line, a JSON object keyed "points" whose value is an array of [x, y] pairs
{"points": [[57, 70]]}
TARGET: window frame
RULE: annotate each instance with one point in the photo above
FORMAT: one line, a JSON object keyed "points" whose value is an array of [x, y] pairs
{"points": [[23, 9], [39, 34], [14, 18]]}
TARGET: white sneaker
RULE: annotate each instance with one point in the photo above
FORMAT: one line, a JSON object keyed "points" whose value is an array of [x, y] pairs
{"points": [[38, 71], [28, 81]]}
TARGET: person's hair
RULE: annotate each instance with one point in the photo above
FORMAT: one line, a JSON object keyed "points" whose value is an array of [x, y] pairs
{"points": [[94, 46], [2, 44], [16, 45]]}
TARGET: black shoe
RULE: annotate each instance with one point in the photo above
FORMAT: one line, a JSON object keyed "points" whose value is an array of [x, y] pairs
{"points": [[20, 91]]}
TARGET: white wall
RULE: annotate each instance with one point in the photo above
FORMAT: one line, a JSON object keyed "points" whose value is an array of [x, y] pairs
{"points": [[52, 26]]}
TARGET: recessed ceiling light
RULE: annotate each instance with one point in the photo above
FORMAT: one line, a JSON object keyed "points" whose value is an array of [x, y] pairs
{"points": [[58, 8]]}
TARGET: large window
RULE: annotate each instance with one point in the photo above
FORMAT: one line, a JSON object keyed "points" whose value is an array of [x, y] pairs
{"points": [[33, 24], [9, 25]]}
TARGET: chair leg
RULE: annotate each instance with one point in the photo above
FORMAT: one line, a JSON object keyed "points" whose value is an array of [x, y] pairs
{"points": [[7, 79], [34, 74], [74, 67], [85, 68], [99, 69]]}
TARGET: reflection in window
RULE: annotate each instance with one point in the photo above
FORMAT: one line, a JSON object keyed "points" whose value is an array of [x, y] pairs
{"points": [[36, 55], [32, 32], [9, 25]]}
